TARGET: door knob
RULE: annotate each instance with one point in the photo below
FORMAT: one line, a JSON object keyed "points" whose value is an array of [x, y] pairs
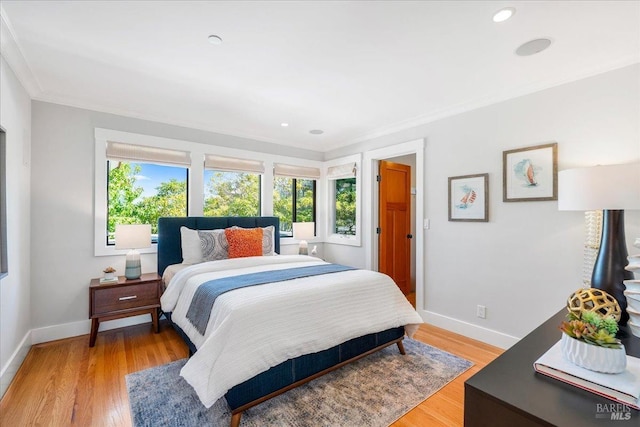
{"points": [[409, 236]]}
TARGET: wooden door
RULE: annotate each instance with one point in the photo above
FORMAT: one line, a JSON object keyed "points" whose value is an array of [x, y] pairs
{"points": [[394, 244]]}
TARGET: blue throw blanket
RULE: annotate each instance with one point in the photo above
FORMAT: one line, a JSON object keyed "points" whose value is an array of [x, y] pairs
{"points": [[204, 297]]}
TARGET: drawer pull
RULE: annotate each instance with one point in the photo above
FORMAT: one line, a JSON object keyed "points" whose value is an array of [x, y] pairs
{"points": [[126, 298]]}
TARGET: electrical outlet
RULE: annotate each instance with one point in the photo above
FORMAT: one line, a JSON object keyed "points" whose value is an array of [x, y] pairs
{"points": [[481, 311]]}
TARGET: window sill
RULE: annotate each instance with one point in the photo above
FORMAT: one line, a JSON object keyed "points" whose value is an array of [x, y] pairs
{"points": [[292, 242], [340, 239], [112, 251]]}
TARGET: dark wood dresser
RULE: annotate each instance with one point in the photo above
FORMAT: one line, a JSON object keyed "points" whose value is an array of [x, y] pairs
{"points": [[508, 392]]}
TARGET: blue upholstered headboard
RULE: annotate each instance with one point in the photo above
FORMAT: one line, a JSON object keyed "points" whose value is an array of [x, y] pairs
{"points": [[169, 250]]}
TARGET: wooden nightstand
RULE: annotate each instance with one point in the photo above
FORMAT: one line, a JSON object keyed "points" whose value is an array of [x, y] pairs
{"points": [[124, 298]]}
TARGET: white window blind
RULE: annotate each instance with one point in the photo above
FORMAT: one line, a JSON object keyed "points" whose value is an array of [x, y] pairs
{"points": [[342, 171], [230, 164], [138, 153], [292, 171]]}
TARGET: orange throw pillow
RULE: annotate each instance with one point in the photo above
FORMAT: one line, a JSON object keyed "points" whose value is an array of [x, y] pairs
{"points": [[244, 242]]}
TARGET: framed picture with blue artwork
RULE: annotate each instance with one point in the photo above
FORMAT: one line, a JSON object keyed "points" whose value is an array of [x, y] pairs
{"points": [[469, 198], [530, 174]]}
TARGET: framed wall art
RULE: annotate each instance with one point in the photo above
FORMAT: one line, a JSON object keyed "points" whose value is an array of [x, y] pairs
{"points": [[530, 174], [469, 198]]}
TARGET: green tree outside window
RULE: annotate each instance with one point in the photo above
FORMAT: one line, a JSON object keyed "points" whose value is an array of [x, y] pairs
{"points": [[232, 194], [283, 202], [127, 205], [345, 214]]}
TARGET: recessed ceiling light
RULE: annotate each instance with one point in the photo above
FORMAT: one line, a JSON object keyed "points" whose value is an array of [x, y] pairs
{"points": [[503, 14], [532, 47], [316, 131], [213, 39], [284, 125]]}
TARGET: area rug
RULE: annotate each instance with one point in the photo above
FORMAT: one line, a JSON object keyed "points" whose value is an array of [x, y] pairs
{"points": [[373, 391]]}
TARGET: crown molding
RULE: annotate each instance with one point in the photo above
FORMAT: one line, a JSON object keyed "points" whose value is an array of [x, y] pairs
{"points": [[11, 52], [376, 133], [167, 120], [487, 101]]}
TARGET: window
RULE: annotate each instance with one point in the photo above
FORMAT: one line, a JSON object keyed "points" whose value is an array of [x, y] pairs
{"points": [[232, 187], [343, 201], [140, 193], [294, 196], [345, 206], [231, 182], [144, 184], [4, 268]]}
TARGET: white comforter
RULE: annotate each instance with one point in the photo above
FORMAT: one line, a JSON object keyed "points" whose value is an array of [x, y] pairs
{"points": [[255, 328]]}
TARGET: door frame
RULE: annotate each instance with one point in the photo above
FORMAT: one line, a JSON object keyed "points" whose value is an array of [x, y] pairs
{"points": [[370, 202]]}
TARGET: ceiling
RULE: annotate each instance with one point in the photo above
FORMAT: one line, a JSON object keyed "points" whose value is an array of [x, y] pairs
{"points": [[355, 70]]}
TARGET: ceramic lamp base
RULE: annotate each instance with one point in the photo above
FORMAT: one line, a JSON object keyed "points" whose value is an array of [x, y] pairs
{"points": [[303, 249], [133, 269]]}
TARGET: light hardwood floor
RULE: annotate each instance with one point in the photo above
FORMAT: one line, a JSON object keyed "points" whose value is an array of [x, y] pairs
{"points": [[67, 383]]}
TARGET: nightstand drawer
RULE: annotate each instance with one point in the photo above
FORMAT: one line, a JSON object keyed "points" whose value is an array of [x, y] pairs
{"points": [[121, 298]]}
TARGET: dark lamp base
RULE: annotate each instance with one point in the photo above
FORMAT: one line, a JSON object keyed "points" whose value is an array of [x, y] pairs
{"points": [[608, 271]]}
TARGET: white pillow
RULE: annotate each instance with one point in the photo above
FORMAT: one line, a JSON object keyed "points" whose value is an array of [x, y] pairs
{"points": [[191, 248]]}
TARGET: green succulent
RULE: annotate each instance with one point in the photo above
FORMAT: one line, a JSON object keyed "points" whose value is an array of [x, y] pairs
{"points": [[603, 339], [592, 317], [592, 328], [610, 324]]}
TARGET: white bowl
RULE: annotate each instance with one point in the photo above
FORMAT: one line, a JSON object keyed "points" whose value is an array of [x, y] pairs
{"points": [[634, 316], [593, 357], [632, 285], [633, 300], [635, 329]]}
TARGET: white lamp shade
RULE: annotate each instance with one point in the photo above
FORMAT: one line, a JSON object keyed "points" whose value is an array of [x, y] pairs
{"points": [[133, 236], [303, 230], [611, 187]]}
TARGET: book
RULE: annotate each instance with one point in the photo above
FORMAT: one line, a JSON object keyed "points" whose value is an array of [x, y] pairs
{"points": [[104, 281], [623, 387]]}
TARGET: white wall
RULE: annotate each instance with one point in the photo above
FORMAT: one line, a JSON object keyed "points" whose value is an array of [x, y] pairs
{"points": [[15, 321], [527, 259], [62, 224]]}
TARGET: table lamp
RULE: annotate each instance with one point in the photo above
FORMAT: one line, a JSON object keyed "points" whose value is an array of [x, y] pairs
{"points": [[612, 189], [304, 231], [133, 237]]}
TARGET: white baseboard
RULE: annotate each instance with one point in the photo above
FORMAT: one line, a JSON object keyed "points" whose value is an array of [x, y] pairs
{"points": [[470, 330], [11, 368], [82, 327]]}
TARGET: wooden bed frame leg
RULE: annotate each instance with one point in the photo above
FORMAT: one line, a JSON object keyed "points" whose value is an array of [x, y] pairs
{"points": [[401, 347], [235, 419]]}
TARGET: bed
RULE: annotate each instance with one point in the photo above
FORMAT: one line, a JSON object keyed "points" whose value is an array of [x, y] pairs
{"points": [[264, 339]]}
